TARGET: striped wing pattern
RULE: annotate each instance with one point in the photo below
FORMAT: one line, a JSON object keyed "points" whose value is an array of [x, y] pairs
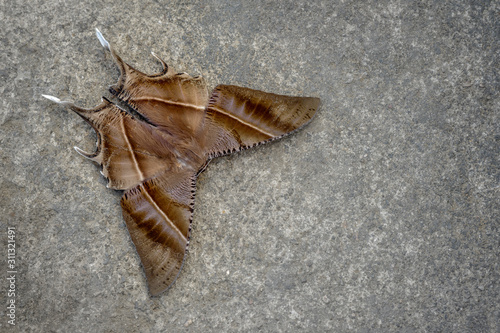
{"points": [[245, 117], [168, 100], [127, 148], [155, 150], [158, 216]]}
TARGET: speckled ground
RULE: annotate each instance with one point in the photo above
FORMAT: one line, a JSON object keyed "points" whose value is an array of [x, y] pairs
{"points": [[381, 216]]}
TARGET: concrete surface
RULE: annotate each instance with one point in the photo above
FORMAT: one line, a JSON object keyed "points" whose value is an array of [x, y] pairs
{"points": [[381, 216]]}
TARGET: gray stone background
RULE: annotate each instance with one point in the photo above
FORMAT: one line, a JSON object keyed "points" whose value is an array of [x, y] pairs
{"points": [[382, 215]]}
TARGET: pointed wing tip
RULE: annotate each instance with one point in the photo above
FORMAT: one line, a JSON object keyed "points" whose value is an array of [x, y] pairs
{"points": [[156, 290], [81, 152], [58, 101], [158, 58], [52, 98], [156, 293], [316, 102], [165, 68], [89, 156], [102, 40]]}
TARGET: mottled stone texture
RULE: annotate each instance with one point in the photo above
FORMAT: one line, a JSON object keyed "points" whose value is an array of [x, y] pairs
{"points": [[380, 216]]}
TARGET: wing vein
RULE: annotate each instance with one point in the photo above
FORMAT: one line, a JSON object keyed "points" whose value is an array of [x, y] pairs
{"points": [[213, 107], [162, 213], [166, 101], [132, 154]]}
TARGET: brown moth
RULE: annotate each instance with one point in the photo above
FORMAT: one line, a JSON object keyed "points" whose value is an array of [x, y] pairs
{"points": [[155, 151]]}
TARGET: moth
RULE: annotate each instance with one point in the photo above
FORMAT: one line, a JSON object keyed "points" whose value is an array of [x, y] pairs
{"points": [[168, 131]]}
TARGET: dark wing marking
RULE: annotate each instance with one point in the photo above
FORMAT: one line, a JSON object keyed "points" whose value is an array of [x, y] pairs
{"points": [[244, 117], [158, 216]]}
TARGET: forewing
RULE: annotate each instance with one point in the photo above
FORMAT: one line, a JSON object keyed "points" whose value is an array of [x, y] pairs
{"points": [[128, 149], [241, 117], [175, 102], [158, 216]]}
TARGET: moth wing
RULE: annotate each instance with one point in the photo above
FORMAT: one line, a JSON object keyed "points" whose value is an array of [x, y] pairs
{"points": [[241, 118], [158, 216], [128, 149], [174, 102]]}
